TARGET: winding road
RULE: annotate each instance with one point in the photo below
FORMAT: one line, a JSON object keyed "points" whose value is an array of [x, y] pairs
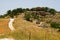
{"points": [[10, 24]]}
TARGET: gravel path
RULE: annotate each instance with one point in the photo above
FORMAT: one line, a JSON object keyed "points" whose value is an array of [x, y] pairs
{"points": [[11, 24], [7, 39]]}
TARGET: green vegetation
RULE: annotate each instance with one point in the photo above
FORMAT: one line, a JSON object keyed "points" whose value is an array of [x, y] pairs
{"points": [[55, 25], [16, 12], [27, 16], [1, 16], [52, 11], [30, 17]]}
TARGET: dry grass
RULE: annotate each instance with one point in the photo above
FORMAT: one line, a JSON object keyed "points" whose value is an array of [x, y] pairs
{"points": [[4, 26], [24, 29], [36, 32]]}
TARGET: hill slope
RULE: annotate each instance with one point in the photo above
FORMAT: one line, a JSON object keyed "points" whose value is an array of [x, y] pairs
{"points": [[37, 33], [26, 30], [4, 26]]}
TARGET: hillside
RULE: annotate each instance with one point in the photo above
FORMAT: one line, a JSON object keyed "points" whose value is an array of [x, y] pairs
{"points": [[37, 33], [4, 26], [26, 30]]}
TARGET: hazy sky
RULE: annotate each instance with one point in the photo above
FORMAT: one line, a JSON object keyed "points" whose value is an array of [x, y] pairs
{"points": [[11, 4]]}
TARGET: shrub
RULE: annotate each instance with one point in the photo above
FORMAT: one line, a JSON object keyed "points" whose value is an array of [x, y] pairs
{"points": [[52, 11], [1, 16], [27, 16], [55, 25]]}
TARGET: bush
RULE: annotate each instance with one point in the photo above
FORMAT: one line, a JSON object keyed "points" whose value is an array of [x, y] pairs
{"points": [[55, 25], [52, 11], [1, 16], [27, 16]]}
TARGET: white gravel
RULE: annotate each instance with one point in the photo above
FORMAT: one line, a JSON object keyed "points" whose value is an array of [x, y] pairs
{"points": [[10, 24], [7, 39]]}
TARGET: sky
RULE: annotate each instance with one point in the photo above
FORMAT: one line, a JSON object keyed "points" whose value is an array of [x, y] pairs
{"points": [[13, 4]]}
